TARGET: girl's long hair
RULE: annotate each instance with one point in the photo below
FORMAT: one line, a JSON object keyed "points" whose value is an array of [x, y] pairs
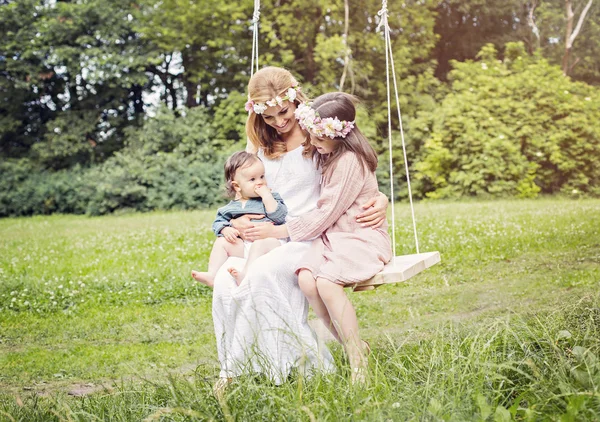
{"points": [[343, 106], [265, 85]]}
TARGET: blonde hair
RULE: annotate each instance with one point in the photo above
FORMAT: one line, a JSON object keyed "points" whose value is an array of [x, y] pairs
{"points": [[266, 84], [343, 106]]}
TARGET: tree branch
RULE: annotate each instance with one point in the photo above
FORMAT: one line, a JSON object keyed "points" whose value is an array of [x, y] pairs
{"points": [[580, 23], [531, 22]]}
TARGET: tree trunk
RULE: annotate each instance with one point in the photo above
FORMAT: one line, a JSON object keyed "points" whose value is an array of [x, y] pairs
{"points": [[571, 33], [189, 83]]}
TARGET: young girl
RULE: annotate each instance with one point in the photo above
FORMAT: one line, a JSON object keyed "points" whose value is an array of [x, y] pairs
{"points": [[245, 178], [344, 252]]}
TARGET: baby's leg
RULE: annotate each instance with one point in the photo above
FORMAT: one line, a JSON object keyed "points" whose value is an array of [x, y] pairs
{"points": [[222, 249], [259, 248], [308, 285]]}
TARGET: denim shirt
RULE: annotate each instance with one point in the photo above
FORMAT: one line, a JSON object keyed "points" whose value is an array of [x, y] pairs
{"points": [[234, 209]]}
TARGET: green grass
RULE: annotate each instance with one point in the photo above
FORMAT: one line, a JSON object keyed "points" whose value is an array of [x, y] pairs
{"points": [[506, 327]]}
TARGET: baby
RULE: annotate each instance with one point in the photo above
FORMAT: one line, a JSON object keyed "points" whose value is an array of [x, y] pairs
{"points": [[245, 178]]}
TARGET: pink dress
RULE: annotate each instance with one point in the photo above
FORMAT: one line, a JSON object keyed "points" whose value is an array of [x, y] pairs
{"points": [[343, 251]]}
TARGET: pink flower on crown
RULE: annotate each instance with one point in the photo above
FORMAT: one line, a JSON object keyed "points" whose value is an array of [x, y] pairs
{"points": [[309, 120], [290, 95]]}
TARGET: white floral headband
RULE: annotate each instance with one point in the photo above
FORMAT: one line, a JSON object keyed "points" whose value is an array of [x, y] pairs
{"points": [[259, 108], [310, 120]]}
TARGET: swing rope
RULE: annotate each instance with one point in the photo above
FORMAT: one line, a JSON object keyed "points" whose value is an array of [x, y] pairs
{"points": [[255, 20], [389, 58], [390, 69]]}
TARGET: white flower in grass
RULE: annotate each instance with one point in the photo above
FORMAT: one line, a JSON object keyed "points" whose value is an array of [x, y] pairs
{"points": [[259, 108], [484, 66]]}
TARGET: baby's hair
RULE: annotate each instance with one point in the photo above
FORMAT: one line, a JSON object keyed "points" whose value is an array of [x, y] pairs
{"points": [[343, 106], [237, 161]]}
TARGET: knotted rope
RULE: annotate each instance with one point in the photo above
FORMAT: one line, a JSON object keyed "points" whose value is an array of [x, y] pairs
{"points": [[255, 21]]}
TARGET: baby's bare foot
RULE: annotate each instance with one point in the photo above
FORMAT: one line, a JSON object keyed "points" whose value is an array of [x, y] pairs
{"points": [[204, 278], [237, 275]]}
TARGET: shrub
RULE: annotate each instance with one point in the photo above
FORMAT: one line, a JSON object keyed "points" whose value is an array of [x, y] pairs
{"points": [[170, 163], [512, 127]]}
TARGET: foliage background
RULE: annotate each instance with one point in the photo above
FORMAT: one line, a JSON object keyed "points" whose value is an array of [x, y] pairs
{"points": [[108, 105]]}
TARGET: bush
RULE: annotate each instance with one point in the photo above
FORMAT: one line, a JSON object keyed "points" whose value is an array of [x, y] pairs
{"points": [[512, 127], [27, 190], [170, 163]]}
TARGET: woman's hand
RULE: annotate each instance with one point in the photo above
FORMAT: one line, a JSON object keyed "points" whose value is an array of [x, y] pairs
{"points": [[243, 223], [267, 229], [376, 212]]}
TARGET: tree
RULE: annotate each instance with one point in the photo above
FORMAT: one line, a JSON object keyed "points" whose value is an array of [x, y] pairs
{"points": [[203, 47], [511, 127], [79, 69], [572, 33]]}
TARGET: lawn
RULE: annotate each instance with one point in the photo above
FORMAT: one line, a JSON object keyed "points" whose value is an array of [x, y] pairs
{"points": [[506, 327]]}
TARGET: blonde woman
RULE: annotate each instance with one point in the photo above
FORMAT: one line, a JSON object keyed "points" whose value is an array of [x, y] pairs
{"points": [[261, 325]]}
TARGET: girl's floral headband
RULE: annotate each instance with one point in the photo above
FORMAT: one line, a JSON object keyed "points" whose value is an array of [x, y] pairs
{"points": [[259, 108], [331, 126]]}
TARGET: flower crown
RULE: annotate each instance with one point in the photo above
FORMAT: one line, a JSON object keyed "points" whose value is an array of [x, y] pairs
{"points": [[259, 108], [310, 120]]}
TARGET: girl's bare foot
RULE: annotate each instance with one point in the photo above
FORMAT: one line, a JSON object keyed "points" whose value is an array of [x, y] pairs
{"points": [[359, 364], [204, 278], [237, 275]]}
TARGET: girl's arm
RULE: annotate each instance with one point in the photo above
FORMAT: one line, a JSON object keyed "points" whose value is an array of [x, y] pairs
{"points": [[337, 196]]}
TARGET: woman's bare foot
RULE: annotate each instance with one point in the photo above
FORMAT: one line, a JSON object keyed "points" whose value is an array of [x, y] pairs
{"points": [[237, 275], [204, 278], [220, 387]]}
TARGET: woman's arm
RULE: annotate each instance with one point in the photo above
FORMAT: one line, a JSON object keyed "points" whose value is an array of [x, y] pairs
{"points": [[376, 212], [243, 223], [264, 230], [250, 147]]}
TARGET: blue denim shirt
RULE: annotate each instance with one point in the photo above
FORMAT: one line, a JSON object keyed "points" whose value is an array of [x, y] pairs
{"points": [[253, 206]]}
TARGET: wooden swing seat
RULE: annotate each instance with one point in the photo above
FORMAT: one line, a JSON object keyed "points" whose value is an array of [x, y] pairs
{"points": [[404, 267]]}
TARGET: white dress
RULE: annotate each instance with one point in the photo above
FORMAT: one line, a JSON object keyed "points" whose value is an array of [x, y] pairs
{"points": [[261, 325]]}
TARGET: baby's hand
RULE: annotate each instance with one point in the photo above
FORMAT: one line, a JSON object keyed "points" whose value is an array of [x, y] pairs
{"points": [[263, 191], [230, 234]]}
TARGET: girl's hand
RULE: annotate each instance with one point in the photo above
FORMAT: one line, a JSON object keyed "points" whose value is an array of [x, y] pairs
{"points": [[376, 212], [230, 234], [260, 231], [243, 223]]}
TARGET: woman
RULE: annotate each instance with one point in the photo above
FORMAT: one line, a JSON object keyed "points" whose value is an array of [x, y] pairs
{"points": [[261, 325]]}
